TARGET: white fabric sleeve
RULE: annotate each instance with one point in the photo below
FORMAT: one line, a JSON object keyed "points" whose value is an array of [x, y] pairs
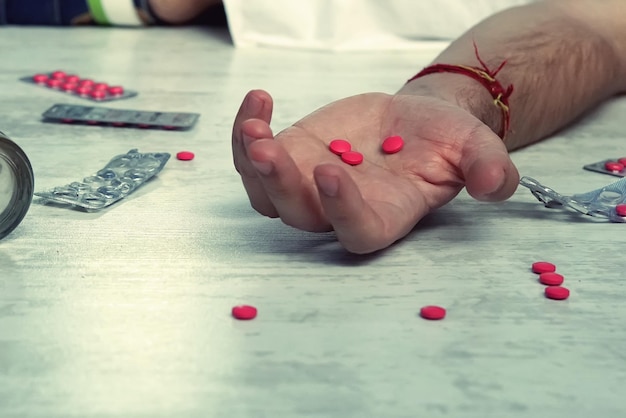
{"points": [[354, 24]]}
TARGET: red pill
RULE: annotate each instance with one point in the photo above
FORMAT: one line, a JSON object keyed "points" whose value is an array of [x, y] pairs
{"points": [[86, 82], [244, 312], [98, 94], [543, 267], [53, 83], [40, 78], [432, 312], [352, 157], [393, 144], [83, 90], [185, 155], [622, 161], [557, 292], [621, 209], [100, 86], [551, 279], [58, 74], [339, 146], [116, 90], [69, 86], [614, 166], [72, 78]]}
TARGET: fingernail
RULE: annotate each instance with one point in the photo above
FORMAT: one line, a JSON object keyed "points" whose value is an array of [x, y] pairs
{"points": [[254, 105], [494, 194], [263, 167], [328, 185]]}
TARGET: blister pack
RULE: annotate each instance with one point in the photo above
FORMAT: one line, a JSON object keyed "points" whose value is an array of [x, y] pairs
{"points": [[614, 167], [606, 202], [75, 85], [119, 178], [104, 116]]}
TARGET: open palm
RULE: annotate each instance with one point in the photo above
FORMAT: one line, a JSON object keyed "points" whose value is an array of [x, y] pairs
{"points": [[294, 176]]}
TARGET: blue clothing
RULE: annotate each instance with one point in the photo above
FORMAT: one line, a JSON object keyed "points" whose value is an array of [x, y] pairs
{"points": [[63, 12]]}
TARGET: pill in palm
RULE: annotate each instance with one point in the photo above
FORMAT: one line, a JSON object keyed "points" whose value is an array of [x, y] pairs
{"points": [[352, 157], [339, 146], [392, 144]]}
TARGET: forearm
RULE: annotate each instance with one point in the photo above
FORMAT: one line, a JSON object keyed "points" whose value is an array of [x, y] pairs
{"points": [[562, 57]]}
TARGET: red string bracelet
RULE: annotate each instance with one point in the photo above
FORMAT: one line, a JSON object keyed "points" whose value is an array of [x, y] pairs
{"points": [[484, 76]]}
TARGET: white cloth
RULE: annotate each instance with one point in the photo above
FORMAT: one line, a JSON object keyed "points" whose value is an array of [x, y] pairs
{"points": [[354, 24]]}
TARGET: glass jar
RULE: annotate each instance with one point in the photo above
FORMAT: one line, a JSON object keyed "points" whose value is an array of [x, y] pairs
{"points": [[16, 185]]}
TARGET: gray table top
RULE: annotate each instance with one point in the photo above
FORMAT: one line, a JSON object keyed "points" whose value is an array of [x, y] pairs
{"points": [[126, 312]]}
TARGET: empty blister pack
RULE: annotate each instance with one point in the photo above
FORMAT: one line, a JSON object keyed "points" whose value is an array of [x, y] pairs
{"points": [[94, 115], [119, 178], [606, 202]]}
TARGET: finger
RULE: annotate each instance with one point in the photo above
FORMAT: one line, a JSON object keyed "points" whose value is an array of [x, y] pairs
{"points": [[257, 104], [489, 172], [359, 227], [293, 196], [253, 130]]}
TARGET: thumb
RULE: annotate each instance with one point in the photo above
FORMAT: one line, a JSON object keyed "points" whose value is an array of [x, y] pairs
{"points": [[489, 172]]}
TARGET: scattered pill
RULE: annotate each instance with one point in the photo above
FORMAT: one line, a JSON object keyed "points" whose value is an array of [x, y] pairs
{"points": [[557, 292], [551, 279], [352, 157], [543, 267], [621, 209], [393, 144], [432, 312], [244, 312], [614, 166], [339, 146], [185, 155]]}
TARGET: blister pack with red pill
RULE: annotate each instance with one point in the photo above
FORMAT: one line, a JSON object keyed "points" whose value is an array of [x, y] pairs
{"points": [[104, 116], [83, 87], [614, 167], [606, 202], [119, 178]]}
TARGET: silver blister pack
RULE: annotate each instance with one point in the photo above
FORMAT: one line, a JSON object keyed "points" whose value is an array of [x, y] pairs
{"points": [[119, 178], [603, 202]]}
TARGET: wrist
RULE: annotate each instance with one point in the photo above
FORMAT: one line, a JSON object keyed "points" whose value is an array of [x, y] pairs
{"points": [[460, 90]]}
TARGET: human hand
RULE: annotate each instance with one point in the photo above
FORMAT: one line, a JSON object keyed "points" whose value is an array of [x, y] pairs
{"points": [[296, 177]]}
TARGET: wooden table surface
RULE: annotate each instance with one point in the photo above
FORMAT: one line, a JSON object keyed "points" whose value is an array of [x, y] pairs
{"points": [[126, 312]]}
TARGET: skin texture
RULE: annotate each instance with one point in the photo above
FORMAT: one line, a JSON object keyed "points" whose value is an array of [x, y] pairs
{"points": [[448, 122]]}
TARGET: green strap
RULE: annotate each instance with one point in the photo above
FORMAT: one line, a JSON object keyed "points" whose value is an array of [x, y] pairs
{"points": [[97, 12]]}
